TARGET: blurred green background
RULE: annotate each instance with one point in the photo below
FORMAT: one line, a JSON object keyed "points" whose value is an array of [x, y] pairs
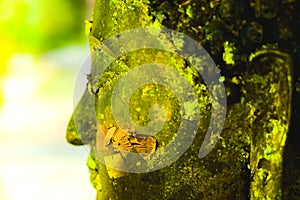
{"points": [[42, 46]]}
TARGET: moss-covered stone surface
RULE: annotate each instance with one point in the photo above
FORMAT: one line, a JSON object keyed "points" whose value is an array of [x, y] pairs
{"points": [[255, 45]]}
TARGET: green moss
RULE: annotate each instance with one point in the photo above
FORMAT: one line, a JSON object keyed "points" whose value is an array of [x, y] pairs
{"points": [[228, 54], [119, 16]]}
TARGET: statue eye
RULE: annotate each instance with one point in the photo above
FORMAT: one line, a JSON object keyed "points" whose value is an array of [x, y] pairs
{"points": [[90, 89]]}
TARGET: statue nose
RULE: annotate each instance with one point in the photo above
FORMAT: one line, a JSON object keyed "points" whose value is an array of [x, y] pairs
{"points": [[82, 126]]}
